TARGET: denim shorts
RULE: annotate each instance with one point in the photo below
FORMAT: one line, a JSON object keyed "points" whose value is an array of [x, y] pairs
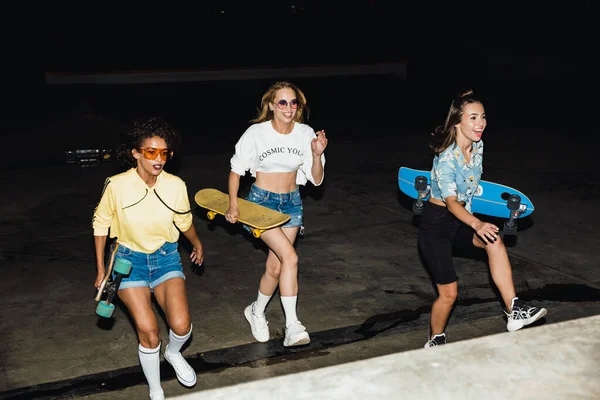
{"points": [[150, 270], [287, 203]]}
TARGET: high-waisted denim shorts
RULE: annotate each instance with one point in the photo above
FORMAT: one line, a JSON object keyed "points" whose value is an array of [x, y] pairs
{"points": [[150, 270], [287, 203]]}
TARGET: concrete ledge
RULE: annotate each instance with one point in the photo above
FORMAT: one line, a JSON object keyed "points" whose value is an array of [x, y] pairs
{"points": [[138, 77], [553, 361]]}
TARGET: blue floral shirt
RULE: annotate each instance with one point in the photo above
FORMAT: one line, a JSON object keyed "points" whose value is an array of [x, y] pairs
{"points": [[452, 175]]}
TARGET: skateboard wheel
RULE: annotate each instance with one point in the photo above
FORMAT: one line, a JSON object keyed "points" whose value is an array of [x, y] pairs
{"points": [[417, 209], [510, 228], [104, 309], [514, 202], [122, 266], [256, 233], [421, 183], [211, 215]]}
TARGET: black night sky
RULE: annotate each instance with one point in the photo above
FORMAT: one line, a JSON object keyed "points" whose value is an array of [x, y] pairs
{"points": [[502, 40], [539, 56]]}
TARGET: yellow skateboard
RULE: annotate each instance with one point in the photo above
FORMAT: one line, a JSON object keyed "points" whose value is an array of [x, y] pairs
{"points": [[256, 216]]}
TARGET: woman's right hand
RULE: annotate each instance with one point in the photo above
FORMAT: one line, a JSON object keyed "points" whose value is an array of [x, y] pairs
{"points": [[486, 231], [232, 214]]}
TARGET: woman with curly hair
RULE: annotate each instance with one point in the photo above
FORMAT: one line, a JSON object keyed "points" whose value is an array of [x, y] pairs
{"points": [[144, 209], [447, 222], [281, 152]]}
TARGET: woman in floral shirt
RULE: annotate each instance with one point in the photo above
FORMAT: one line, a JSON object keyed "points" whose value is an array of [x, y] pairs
{"points": [[447, 222]]}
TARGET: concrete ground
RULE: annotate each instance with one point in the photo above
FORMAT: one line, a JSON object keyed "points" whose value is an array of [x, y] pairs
{"points": [[363, 289], [564, 366]]}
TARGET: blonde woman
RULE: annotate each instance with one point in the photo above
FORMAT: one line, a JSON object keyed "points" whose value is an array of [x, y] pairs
{"points": [[281, 153]]}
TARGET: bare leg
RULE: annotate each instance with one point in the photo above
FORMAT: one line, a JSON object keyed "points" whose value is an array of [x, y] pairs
{"points": [[442, 306], [139, 303], [281, 242], [281, 269], [282, 262], [500, 268], [171, 295]]}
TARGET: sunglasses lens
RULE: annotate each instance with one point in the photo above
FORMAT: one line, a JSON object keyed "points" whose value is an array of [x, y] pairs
{"points": [[152, 154], [283, 104]]}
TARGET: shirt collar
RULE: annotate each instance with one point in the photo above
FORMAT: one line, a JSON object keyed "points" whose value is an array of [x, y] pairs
{"points": [[141, 182]]}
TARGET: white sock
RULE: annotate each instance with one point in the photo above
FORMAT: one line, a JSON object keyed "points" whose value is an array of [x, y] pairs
{"points": [[150, 362], [289, 307], [261, 303], [176, 342]]}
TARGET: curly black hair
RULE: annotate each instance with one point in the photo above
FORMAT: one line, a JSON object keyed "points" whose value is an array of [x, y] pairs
{"points": [[142, 129]]}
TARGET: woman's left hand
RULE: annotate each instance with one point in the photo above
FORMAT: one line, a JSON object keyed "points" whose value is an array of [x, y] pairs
{"points": [[197, 255], [319, 144]]}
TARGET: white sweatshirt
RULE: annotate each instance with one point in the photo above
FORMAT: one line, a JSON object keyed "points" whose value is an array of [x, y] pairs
{"points": [[261, 148]]}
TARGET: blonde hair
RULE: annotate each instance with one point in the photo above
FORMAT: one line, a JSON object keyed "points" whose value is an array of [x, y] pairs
{"points": [[265, 114]]}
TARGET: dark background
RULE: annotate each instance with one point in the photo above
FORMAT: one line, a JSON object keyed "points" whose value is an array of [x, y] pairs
{"points": [[533, 66]]}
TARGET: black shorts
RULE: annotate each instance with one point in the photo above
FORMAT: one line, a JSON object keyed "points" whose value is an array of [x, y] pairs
{"points": [[440, 233]]}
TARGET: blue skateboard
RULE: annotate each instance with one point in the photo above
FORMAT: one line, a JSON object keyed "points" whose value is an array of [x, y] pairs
{"points": [[493, 199]]}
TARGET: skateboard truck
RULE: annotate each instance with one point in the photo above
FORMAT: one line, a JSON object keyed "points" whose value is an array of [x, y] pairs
{"points": [[514, 205], [106, 308], [422, 189], [255, 231]]}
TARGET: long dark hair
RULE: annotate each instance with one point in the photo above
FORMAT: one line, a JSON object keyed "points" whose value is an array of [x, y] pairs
{"points": [[445, 135], [142, 129]]}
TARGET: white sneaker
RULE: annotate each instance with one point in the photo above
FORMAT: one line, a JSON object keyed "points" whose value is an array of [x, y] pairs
{"points": [[258, 323], [157, 395], [185, 373], [522, 314], [296, 335], [437, 340]]}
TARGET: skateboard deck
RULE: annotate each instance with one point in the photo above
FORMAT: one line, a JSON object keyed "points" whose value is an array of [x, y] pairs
{"points": [[121, 268], [258, 217], [491, 198], [107, 275]]}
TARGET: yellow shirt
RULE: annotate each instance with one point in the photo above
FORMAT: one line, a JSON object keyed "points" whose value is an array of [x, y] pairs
{"points": [[135, 214]]}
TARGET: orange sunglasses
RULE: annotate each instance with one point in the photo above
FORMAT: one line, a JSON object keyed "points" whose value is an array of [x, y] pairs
{"points": [[150, 153]]}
